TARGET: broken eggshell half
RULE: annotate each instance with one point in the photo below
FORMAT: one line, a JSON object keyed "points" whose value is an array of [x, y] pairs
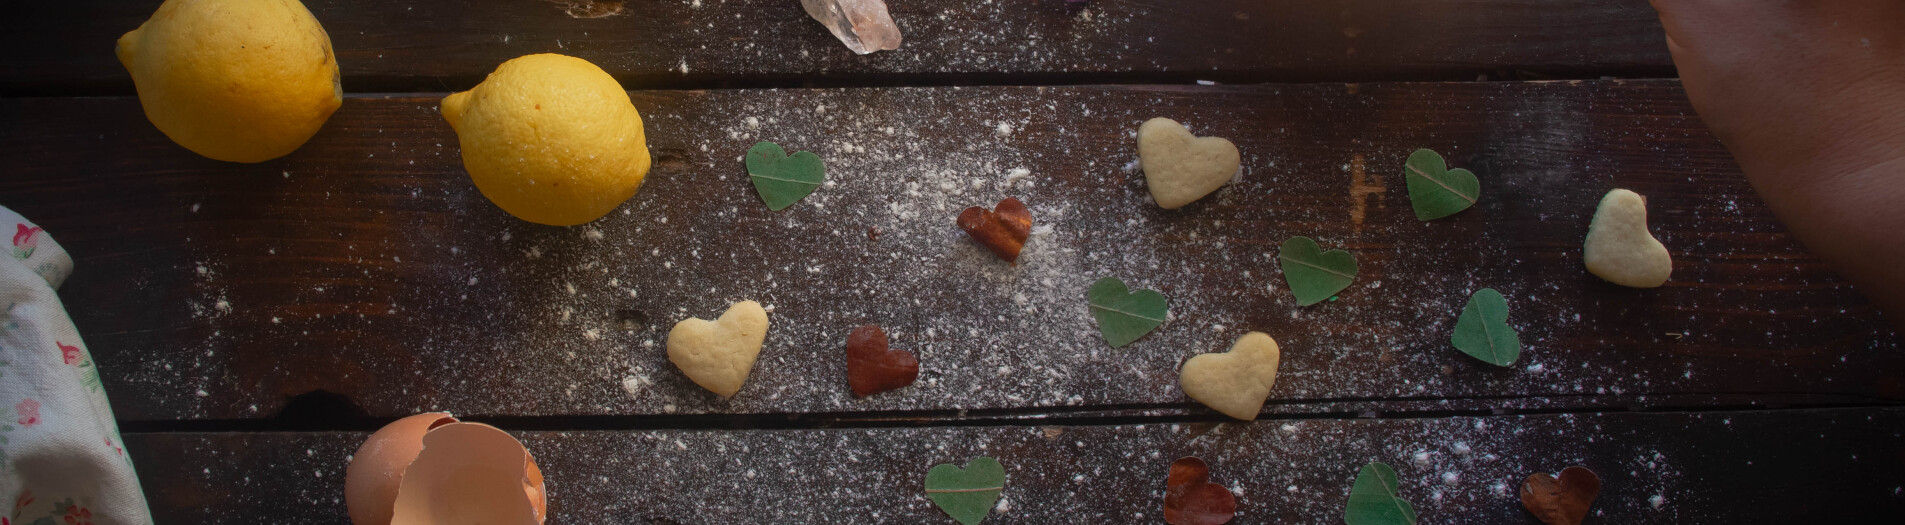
{"points": [[431, 468]]}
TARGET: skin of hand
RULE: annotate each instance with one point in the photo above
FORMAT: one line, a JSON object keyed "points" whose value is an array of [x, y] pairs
{"points": [[1809, 96]]}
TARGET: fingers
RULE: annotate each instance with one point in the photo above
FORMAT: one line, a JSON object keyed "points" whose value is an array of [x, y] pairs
{"points": [[1670, 13], [1712, 23]]}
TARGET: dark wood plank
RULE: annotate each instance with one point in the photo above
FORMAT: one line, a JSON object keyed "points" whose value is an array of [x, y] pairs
{"points": [[1811, 466], [65, 48], [367, 265]]}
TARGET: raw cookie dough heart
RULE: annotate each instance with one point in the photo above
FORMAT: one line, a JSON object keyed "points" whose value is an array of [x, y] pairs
{"points": [[1234, 382], [872, 367], [1181, 167], [1003, 231], [718, 354], [1618, 247]]}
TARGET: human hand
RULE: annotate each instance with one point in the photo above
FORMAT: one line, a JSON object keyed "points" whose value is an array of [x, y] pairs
{"points": [[1809, 95]]}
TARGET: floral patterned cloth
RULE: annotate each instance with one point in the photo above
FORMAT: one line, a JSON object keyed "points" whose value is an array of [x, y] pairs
{"points": [[61, 459]]}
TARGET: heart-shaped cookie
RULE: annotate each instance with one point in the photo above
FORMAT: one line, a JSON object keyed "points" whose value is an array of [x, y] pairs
{"points": [[872, 367], [966, 494], [1314, 274], [1003, 231], [1435, 191], [1191, 499], [1180, 167], [1561, 500], [783, 180], [1618, 246], [1234, 382], [719, 354]]}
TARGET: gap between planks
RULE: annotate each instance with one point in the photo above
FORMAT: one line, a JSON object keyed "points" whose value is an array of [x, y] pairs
{"points": [[414, 86], [1017, 417]]}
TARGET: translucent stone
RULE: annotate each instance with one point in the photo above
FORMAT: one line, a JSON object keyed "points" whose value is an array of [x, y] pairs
{"points": [[863, 25]]}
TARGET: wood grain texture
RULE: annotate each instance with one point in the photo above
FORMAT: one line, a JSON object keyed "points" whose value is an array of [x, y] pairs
{"points": [[367, 265], [449, 45], [1796, 466]]}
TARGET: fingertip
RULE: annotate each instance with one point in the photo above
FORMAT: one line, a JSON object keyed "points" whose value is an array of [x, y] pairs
{"points": [[1663, 10]]}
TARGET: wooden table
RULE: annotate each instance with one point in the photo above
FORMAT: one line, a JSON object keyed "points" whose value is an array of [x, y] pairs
{"points": [[254, 322]]}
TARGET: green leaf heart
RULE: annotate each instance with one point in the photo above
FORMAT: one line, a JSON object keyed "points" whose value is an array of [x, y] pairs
{"points": [[783, 180], [1314, 274], [966, 494], [1437, 191], [1482, 330], [1124, 316], [1373, 499]]}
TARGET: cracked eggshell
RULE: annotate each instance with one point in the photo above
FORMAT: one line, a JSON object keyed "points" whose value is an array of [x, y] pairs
{"points": [[470, 473], [431, 468], [371, 480]]}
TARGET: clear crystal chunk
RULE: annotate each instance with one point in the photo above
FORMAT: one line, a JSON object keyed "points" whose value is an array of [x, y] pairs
{"points": [[863, 25]]}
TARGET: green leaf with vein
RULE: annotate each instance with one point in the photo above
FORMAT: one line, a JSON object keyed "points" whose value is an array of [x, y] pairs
{"points": [[1482, 330], [1435, 191], [1373, 499], [1124, 316], [966, 494], [1314, 274], [783, 180]]}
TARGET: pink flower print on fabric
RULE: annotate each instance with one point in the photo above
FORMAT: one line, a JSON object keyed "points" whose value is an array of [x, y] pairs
{"points": [[25, 239], [68, 353], [77, 515], [26, 498], [29, 412]]}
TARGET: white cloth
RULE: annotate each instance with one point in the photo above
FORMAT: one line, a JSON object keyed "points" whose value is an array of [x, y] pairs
{"points": [[61, 459]]}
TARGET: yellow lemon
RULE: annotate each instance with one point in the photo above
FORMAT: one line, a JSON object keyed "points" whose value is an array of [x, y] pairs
{"points": [[234, 80], [551, 139]]}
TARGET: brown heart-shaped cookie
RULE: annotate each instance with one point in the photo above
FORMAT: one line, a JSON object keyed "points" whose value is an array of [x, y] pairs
{"points": [[872, 367], [1003, 231], [1561, 500], [1191, 499]]}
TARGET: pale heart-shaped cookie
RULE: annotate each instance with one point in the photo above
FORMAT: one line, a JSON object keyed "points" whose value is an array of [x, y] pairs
{"points": [[1234, 382], [718, 354], [1181, 167], [1618, 246]]}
